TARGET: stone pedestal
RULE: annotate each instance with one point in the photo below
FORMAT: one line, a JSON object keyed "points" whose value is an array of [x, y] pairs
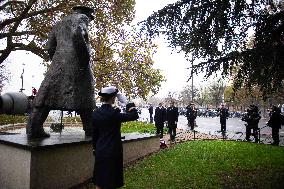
{"points": [[59, 161]]}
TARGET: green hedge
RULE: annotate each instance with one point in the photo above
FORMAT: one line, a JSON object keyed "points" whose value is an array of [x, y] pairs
{"points": [[10, 119], [127, 127], [137, 126]]}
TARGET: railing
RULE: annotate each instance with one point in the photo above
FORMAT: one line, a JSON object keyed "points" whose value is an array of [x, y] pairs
{"points": [[230, 135]]}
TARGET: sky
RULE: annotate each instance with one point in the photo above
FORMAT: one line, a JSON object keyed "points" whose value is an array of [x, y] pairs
{"points": [[173, 65]]}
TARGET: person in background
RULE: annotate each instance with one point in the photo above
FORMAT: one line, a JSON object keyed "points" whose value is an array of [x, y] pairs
{"points": [[275, 123], [172, 119], [160, 118], [107, 145], [151, 113], [224, 114], [191, 114], [252, 118]]}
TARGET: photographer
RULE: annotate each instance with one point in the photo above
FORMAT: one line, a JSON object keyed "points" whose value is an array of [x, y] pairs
{"points": [[252, 118], [275, 123]]}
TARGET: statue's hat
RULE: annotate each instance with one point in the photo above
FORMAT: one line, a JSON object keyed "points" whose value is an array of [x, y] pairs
{"points": [[85, 10]]}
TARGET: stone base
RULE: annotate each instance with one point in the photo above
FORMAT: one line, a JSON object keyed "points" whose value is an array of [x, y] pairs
{"points": [[59, 161]]}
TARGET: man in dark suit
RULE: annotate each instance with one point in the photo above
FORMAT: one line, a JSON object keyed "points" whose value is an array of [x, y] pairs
{"points": [[172, 119], [224, 114], [151, 113], [160, 118], [191, 114], [275, 122]]}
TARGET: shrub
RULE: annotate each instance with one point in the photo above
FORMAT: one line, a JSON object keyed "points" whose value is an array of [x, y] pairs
{"points": [[11, 119], [138, 126]]}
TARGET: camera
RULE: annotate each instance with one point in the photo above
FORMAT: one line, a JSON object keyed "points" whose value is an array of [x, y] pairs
{"points": [[129, 105]]}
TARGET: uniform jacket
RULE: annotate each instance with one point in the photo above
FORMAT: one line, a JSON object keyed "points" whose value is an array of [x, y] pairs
{"points": [[172, 115], [107, 135], [191, 114], [68, 84], [224, 114], [160, 115], [275, 120], [252, 119]]}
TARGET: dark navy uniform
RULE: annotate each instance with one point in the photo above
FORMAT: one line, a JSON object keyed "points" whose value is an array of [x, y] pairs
{"points": [[252, 118], [108, 171], [191, 114], [160, 118], [172, 118], [224, 114], [151, 113], [275, 123]]}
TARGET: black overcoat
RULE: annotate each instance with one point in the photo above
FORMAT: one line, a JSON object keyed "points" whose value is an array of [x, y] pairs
{"points": [[275, 120], [160, 116], [191, 113], [172, 115], [107, 144], [224, 114]]}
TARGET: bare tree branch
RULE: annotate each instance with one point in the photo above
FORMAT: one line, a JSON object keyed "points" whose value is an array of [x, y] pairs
{"points": [[3, 35], [28, 15], [9, 3]]}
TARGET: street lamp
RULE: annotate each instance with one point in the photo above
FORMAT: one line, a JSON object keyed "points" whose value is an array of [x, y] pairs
{"points": [[192, 93], [22, 78]]}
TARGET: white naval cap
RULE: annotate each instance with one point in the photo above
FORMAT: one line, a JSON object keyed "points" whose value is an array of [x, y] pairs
{"points": [[113, 91]]}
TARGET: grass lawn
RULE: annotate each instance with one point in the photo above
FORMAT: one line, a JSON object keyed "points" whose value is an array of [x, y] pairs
{"points": [[138, 126], [210, 164]]}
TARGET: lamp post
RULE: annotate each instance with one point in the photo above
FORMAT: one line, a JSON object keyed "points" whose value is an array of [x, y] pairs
{"points": [[192, 93], [22, 78]]}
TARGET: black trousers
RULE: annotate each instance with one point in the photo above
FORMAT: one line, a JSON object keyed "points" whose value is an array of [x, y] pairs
{"points": [[172, 130], [160, 129], [151, 118], [191, 123], [275, 135], [254, 133], [223, 125]]}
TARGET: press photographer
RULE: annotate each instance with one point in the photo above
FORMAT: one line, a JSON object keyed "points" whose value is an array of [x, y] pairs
{"points": [[252, 118]]}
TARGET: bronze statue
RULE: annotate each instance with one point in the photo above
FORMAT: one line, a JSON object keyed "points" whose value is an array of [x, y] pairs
{"points": [[68, 84]]}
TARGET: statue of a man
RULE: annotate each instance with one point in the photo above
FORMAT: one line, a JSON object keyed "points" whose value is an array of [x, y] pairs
{"points": [[68, 84]]}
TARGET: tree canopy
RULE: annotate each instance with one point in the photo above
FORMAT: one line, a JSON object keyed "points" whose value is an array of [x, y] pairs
{"points": [[242, 39], [121, 56]]}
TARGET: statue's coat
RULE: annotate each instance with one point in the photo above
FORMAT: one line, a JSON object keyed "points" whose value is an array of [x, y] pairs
{"points": [[69, 83]]}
